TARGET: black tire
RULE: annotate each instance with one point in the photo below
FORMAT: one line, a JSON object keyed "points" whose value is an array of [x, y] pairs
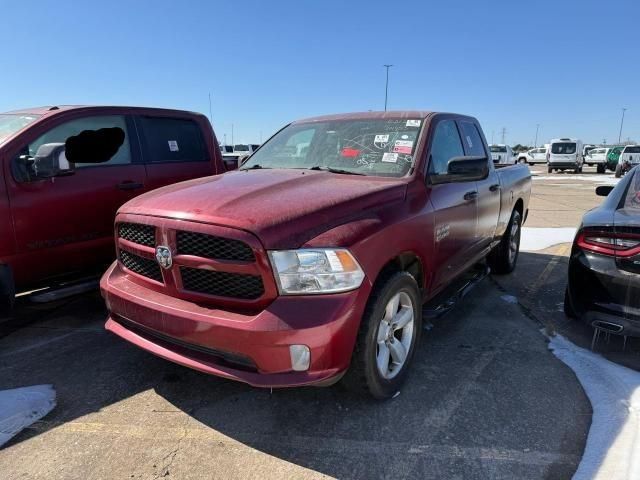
{"points": [[363, 375], [7, 291], [568, 307], [549, 170], [600, 168], [618, 170], [501, 259]]}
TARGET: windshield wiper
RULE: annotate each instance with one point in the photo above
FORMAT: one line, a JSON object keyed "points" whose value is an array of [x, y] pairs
{"points": [[335, 170], [257, 166]]}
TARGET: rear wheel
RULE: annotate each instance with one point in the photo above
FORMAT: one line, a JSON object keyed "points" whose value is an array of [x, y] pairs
{"points": [[388, 335], [504, 257], [618, 170], [7, 291], [600, 168], [549, 170]]}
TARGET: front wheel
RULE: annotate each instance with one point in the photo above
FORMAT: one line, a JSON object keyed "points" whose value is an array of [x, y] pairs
{"points": [[503, 258], [549, 170], [387, 339]]}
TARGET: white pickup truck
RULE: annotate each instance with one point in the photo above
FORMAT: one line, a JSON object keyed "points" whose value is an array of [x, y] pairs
{"points": [[502, 154], [598, 157], [534, 155]]}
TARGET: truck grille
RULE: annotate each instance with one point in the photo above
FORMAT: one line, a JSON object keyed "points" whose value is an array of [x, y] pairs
{"points": [[222, 284], [136, 233], [216, 248], [140, 265]]}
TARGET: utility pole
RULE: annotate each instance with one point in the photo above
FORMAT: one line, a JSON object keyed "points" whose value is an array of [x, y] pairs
{"points": [[225, 139], [621, 123], [260, 137], [503, 133], [535, 144], [232, 142], [492, 135], [210, 114], [386, 87]]}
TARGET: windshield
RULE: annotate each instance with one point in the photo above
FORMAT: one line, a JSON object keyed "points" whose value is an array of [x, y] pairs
{"points": [[498, 149], [563, 148], [241, 148], [382, 147], [10, 123]]}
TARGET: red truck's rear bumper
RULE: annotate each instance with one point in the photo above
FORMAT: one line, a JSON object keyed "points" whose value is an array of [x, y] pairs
{"points": [[251, 348]]}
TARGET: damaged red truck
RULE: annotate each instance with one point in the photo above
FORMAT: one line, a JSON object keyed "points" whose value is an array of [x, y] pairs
{"points": [[313, 262]]}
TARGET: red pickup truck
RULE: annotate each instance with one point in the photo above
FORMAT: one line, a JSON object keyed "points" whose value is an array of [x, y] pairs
{"points": [[313, 261], [57, 223]]}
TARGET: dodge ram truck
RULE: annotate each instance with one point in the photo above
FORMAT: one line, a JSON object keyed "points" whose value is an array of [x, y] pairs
{"points": [[56, 216], [311, 264]]}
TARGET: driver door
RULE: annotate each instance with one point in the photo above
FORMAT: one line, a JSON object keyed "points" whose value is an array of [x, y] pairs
{"points": [[65, 224]]}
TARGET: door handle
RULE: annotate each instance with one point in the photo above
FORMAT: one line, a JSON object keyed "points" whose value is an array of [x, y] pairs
{"points": [[129, 186], [471, 195], [495, 187]]}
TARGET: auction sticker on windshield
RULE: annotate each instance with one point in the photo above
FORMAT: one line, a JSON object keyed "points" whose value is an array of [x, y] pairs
{"points": [[403, 146]]}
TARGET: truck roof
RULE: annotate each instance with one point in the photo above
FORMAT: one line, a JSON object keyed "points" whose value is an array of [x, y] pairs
{"points": [[53, 109], [564, 139], [390, 115]]}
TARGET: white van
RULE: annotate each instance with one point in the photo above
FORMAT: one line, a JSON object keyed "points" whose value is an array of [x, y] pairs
{"points": [[598, 157], [502, 154], [629, 158], [565, 154]]}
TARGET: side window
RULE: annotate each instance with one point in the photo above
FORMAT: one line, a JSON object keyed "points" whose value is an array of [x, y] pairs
{"points": [[446, 145], [60, 134], [632, 199], [472, 140], [172, 140]]}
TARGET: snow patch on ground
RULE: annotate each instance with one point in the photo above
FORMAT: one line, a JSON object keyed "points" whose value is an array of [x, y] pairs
{"points": [[602, 179], [509, 299], [532, 239], [613, 444], [20, 407]]}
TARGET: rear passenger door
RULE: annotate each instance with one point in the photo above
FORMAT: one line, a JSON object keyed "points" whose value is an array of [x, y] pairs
{"points": [[173, 149], [488, 189]]}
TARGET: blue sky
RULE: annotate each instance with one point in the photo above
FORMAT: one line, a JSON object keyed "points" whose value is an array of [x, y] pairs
{"points": [[569, 66]]}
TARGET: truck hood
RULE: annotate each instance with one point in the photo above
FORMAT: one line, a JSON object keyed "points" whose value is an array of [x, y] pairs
{"points": [[283, 208]]}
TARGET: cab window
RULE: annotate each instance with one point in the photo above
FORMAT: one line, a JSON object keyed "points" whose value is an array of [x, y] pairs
{"points": [[446, 145], [172, 140]]}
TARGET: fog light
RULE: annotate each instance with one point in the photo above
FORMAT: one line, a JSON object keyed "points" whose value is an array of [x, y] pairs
{"points": [[300, 357]]}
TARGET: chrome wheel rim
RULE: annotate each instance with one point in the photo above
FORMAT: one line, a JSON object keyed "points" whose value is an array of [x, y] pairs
{"points": [[514, 241], [395, 335]]}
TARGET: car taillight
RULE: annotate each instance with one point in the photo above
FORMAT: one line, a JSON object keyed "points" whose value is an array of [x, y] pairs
{"points": [[609, 243]]}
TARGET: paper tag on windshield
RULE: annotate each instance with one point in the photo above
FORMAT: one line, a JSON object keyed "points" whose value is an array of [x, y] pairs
{"points": [[390, 157], [413, 123], [173, 145], [403, 146]]}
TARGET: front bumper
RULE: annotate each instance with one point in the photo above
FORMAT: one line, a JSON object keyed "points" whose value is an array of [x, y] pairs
{"points": [[249, 347], [603, 295]]}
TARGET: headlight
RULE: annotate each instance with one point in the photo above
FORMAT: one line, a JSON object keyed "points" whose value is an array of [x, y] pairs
{"points": [[315, 270]]}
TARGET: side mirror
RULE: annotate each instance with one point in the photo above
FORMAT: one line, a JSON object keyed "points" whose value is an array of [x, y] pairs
{"points": [[604, 190], [51, 161], [463, 169], [469, 168]]}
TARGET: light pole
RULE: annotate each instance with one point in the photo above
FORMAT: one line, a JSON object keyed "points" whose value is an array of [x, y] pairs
{"points": [[535, 144], [386, 87], [621, 123]]}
